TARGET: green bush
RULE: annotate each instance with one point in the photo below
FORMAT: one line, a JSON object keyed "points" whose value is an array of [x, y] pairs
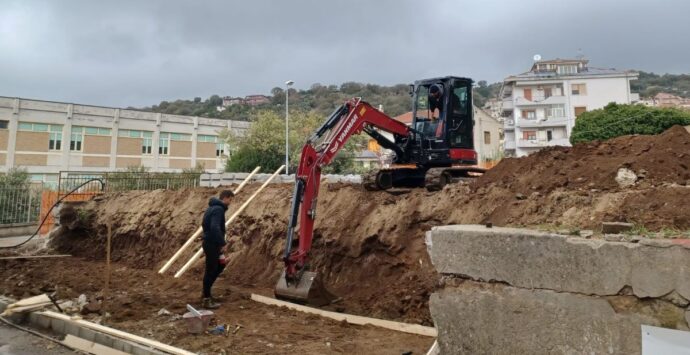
{"points": [[616, 120]]}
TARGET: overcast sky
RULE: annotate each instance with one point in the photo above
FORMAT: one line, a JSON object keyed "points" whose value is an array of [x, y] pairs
{"points": [[137, 53]]}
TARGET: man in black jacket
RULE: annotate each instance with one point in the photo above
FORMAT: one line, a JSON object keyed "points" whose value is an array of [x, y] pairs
{"points": [[214, 244]]}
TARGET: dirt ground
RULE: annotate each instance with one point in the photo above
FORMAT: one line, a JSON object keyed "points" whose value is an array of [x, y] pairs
{"points": [[369, 246], [137, 295]]}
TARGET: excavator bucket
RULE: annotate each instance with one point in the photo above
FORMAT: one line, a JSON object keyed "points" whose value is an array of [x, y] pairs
{"points": [[309, 290]]}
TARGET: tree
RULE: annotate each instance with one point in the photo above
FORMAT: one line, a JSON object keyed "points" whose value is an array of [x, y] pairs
{"points": [[617, 120], [15, 178], [264, 142], [197, 100]]}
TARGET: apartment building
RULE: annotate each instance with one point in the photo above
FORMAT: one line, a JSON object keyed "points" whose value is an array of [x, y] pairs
{"points": [[48, 137], [540, 106]]}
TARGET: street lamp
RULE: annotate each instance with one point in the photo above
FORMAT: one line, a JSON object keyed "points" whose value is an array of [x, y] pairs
{"points": [[287, 145]]}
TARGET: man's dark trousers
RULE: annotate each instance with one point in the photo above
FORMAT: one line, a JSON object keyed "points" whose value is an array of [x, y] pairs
{"points": [[213, 266]]}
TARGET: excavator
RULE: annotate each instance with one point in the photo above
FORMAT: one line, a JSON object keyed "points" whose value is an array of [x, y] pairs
{"points": [[437, 149]]}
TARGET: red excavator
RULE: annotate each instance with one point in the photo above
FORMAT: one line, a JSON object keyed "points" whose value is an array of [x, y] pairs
{"points": [[435, 150]]}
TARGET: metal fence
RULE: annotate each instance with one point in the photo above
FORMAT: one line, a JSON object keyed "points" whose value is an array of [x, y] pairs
{"points": [[20, 204], [124, 181]]}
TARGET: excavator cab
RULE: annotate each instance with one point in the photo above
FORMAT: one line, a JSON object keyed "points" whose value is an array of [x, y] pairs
{"points": [[443, 122]]}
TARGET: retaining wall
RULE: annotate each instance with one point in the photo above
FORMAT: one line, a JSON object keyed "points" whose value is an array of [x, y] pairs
{"points": [[520, 291]]}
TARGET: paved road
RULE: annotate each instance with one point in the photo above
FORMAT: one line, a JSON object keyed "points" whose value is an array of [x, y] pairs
{"points": [[16, 342]]}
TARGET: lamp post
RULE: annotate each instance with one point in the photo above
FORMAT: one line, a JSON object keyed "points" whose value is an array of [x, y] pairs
{"points": [[287, 145]]}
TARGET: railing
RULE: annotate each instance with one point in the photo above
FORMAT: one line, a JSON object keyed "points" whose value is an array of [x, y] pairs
{"points": [[124, 181], [540, 100], [19, 204]]}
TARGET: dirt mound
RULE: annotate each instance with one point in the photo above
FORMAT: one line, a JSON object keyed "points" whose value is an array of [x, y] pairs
{"points": [[663, 158], [369, 246]]}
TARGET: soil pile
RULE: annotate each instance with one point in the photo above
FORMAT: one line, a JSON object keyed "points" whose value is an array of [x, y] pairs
{"points": [[658, 159]]}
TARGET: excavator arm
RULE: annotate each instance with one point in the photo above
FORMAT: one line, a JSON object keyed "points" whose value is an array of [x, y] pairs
{"points": [[321, 148]]}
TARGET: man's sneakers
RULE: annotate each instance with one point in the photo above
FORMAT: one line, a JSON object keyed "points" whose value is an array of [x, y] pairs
{"points": [[209, 303]]}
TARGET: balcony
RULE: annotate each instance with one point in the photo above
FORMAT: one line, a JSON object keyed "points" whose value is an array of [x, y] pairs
{"points": [[550, 122], [510, 145], [540, 100], [507, 104], [533, 143]]}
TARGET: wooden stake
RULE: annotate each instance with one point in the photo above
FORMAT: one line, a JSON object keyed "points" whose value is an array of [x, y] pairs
{"points": [[200, 230], [106, 291], [199, 252]]}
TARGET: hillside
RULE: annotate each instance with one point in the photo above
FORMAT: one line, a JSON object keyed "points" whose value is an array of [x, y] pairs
{"points": [[320, 98], [650, 84]]}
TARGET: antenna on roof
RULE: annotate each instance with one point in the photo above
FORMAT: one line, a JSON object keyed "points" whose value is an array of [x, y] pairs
{"points": [[536, 57], [580, 55]]}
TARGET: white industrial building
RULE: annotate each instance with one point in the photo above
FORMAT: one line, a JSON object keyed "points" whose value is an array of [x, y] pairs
{"points": [[540, 106]]}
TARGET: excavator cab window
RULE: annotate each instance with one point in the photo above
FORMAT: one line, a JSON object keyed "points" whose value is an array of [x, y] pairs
{"points": [[427, 121], [460, 118]]}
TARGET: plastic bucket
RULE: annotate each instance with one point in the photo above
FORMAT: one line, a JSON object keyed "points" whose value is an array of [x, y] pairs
{"points": [[197, 325]]}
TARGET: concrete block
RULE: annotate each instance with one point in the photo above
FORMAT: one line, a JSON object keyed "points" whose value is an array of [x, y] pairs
{"points": [[88, 334], [71, 328], [495, 319], [39, 320], [532, 259], [103, 339], [615, 227], [57, 325]]}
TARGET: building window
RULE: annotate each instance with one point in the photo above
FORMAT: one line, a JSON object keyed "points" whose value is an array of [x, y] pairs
{"points": [[95, 131], [220, 149], [207, 139], [487, 137], [547, 93], [529, 114], [567, 69], [38, 127], [578, 89], [580, 110], [529, 135], [555, 112], [55, 141], [180, 137], [4, 124], [549, 135], [163, 143], [76, 138]]}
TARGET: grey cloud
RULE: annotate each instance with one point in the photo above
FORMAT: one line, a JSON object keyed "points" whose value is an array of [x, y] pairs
{"points": [[140, 52]]}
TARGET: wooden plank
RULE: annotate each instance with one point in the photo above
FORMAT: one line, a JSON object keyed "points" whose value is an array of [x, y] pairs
{"points": [[352, 319], [118, 333], [32, 307], [34, 256], [199, 230], [90, 346], [31, 300]]}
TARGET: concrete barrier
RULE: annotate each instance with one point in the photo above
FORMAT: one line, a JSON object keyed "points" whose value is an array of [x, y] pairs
{"points": [[63, 327], [533, 259], [519, 291], [18, 229]]}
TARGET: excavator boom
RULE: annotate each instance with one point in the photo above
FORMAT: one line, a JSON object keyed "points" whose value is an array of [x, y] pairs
{"points": [[296, 283]]}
